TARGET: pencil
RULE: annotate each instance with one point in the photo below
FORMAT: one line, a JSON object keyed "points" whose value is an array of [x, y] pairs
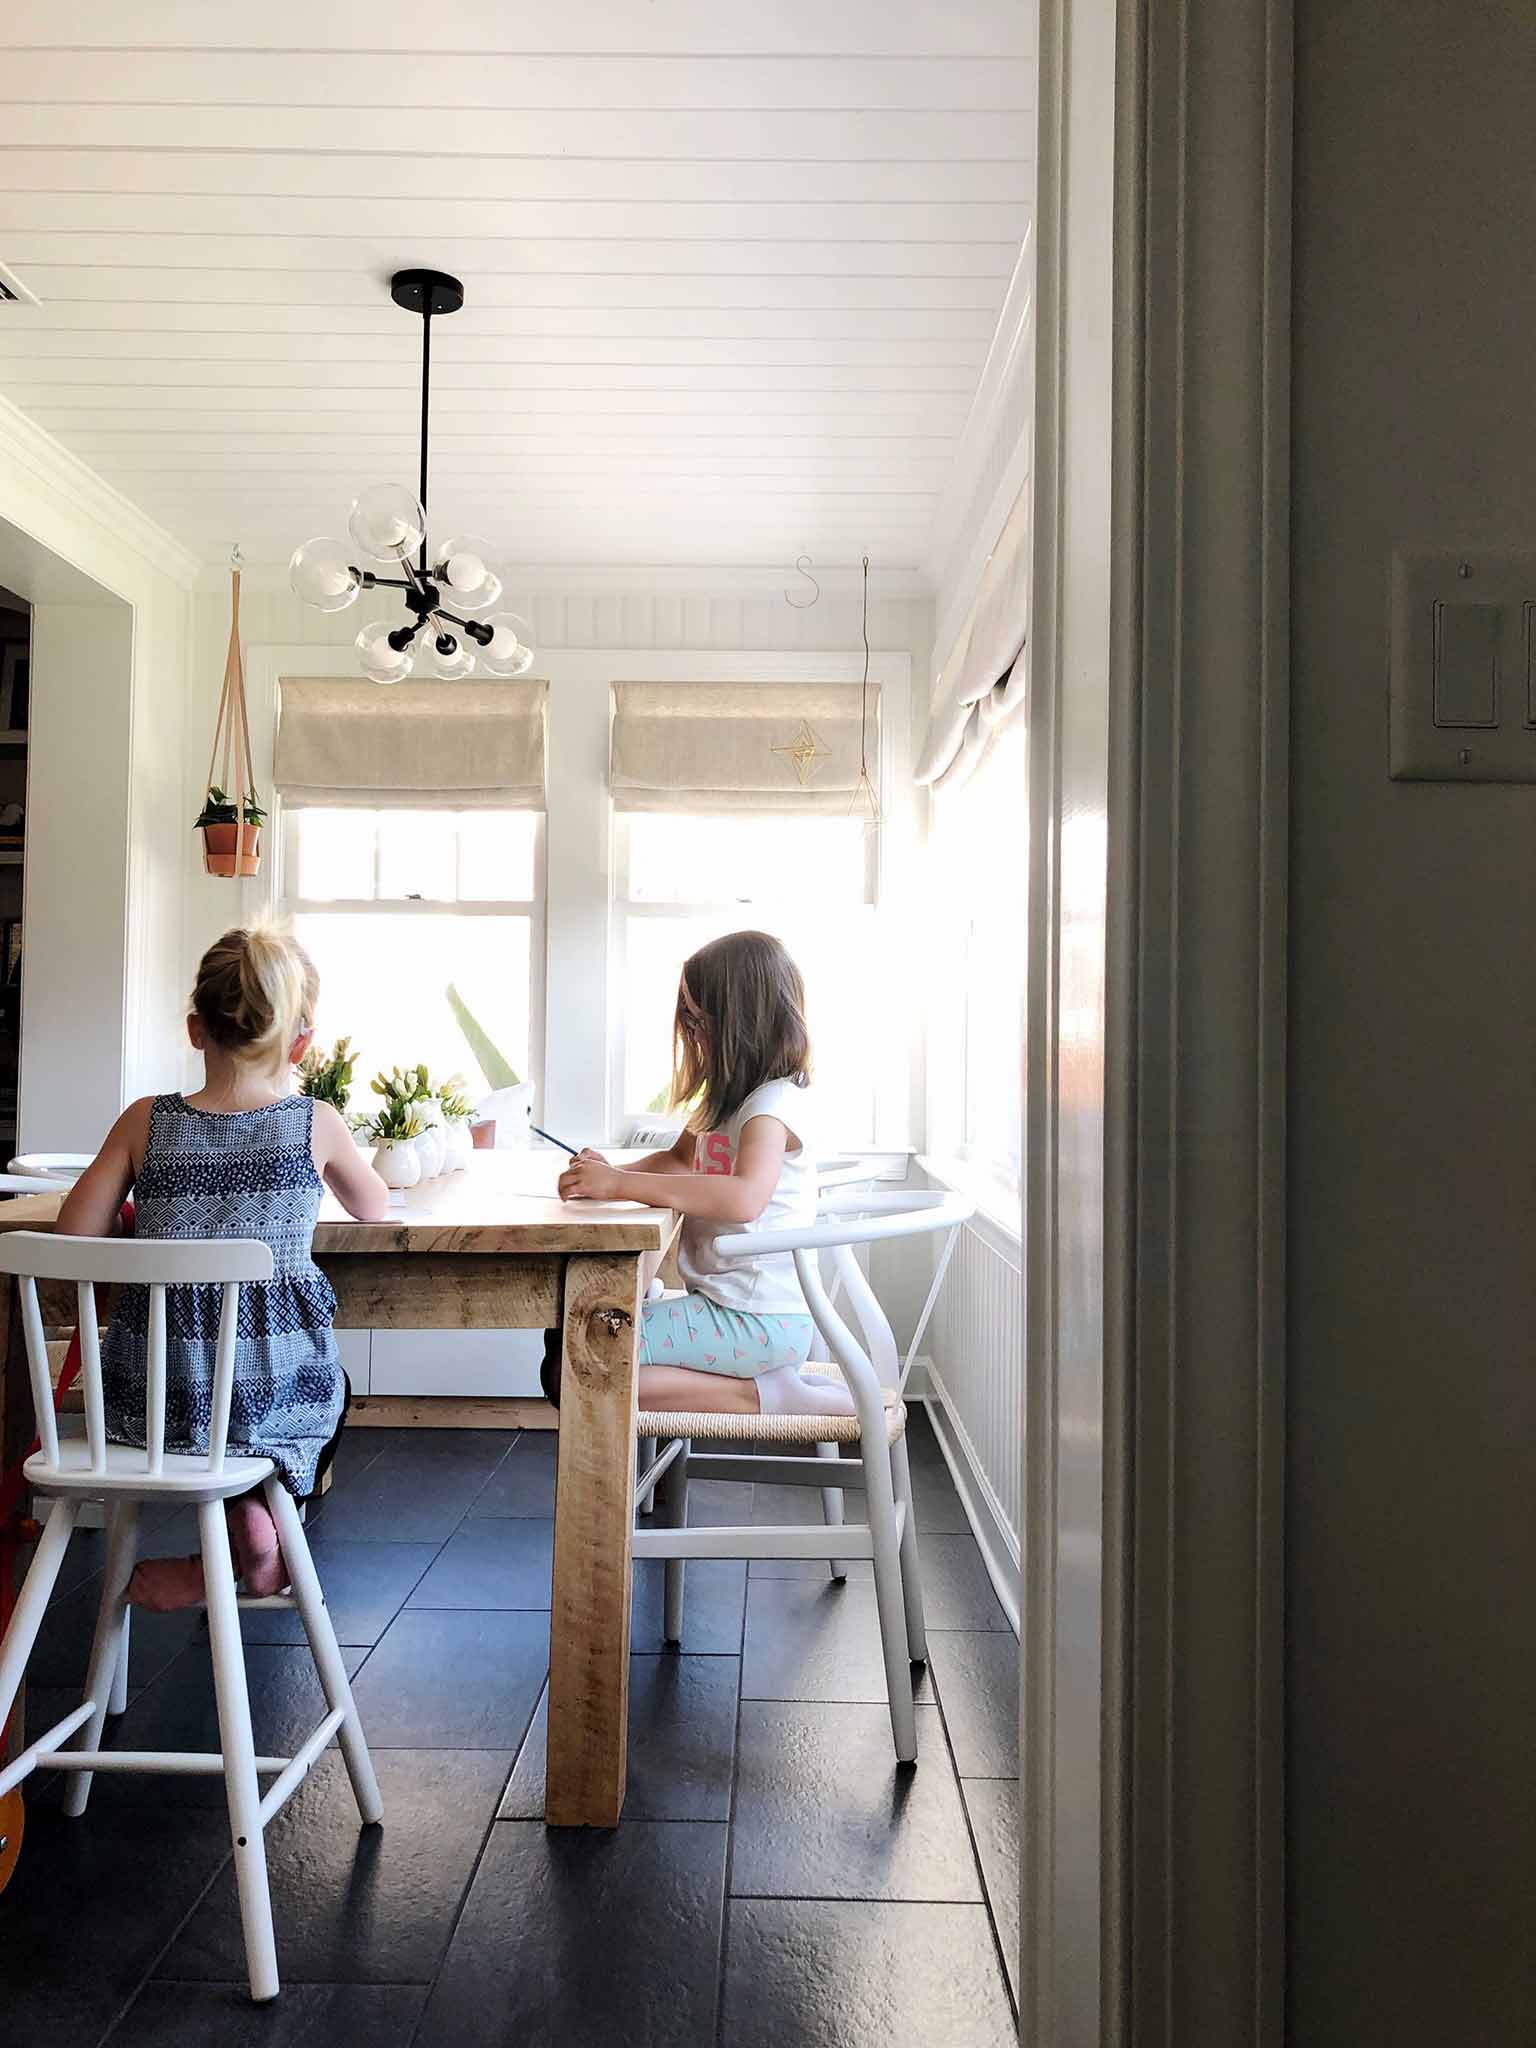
{"points": [[553, 1141]]}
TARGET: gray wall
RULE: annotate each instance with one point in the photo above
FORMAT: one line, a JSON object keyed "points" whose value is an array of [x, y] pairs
{"points": [[1412, 1389]]}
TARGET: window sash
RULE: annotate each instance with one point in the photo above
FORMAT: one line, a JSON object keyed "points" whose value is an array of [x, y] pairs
{"points": [[463, 906], [890, 1093], [534, 909]]}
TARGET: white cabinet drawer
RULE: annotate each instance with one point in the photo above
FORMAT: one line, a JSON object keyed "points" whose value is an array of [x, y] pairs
{"points": [[355, 1347], [468, 1362]]}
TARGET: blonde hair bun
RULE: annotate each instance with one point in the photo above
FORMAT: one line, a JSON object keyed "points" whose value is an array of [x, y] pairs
{"points": [[256, 990]]}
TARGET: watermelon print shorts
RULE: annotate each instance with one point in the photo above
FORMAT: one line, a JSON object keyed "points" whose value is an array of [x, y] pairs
{"points": [[685, 1329]]}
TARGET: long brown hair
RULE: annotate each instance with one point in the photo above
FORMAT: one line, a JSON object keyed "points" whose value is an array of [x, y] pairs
{"points": [[745, 1026]]}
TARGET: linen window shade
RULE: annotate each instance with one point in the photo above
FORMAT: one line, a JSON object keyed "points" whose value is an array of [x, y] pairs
{"points": [[982, 683], [727, 747], [358, 745]]}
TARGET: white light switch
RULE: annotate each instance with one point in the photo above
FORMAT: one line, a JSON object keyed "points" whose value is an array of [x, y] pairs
{"points": [[1463, 688]]}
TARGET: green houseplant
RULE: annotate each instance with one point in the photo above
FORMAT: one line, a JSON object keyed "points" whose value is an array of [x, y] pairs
{"points": [[231, 832], [459, 1145], [231, 825], [327, 1076], [410, 1089], [395, 1129]]}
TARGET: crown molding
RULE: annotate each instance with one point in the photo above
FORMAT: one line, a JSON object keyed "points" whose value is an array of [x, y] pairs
{"points": [[80, 488]]}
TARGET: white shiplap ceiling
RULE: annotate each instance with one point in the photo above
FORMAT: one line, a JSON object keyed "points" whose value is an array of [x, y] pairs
{"points": [[732, 269]]}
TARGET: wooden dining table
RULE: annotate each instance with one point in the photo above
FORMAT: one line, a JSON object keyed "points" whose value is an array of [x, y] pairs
{"points": [[493, 1248]]}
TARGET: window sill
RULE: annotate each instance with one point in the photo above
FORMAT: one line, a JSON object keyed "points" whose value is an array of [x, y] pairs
{"points": [[997, 1204]]}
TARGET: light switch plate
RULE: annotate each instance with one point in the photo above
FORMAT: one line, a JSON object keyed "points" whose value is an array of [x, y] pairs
{"points": [[1463, 665]]}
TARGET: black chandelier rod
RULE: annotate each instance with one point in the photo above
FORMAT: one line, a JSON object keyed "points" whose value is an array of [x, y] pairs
{"points": [[426, 398]]}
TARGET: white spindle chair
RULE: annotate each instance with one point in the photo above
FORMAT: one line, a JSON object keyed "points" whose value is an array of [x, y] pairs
{"points": [[873, 1372], [72, 1473], [833, 1170]]}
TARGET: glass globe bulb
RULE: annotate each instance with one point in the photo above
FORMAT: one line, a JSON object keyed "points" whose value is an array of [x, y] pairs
{"points": [[508, 652], [320, 573], [458, 662], [387, 522], [483, 598], [464, 564], [379, 661]]}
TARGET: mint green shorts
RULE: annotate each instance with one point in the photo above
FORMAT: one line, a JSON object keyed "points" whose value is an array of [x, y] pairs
{"points": [[692, 1331]]}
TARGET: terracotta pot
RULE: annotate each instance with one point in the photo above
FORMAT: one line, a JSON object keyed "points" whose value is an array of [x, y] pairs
{"points": [[483, 1134], [219, 855]]}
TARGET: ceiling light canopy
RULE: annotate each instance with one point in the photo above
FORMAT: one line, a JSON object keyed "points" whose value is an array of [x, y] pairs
{"points": [[445, 583]]}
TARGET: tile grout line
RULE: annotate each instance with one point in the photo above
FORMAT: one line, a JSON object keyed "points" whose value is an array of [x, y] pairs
{"points": [[164, 1949], [490, 1829], [722, 1953], [970, 1829]]}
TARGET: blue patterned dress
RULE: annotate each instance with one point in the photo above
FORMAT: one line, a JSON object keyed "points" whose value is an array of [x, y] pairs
{"points": [[248, 1173]]}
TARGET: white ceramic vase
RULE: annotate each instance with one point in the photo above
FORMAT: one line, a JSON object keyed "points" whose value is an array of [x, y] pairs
{"points": [[429, 1150], [397, 1162], [460, 1147]]}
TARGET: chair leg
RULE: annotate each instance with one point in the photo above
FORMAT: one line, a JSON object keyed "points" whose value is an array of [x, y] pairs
{"points": [[888, 1597], [316, 1617], [118, 1704], [645, 1459], [911, 1573], [832, 1512], [32, 1602], [673, 1508], [239, 1749], [109, 1648]]}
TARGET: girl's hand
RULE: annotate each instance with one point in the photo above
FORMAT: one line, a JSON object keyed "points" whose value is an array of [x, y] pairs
{"points": [[589, 1178]]}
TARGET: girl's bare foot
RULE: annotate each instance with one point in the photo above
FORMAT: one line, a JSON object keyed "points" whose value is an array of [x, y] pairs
{"points": [[258, 1557], [166, 1584]]}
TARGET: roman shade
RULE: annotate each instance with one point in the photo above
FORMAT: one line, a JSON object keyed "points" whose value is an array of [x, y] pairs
{"points": [[723, 747], [982, 683], [430, 746]]}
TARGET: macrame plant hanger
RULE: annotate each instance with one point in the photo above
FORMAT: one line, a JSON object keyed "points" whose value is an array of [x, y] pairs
{"points": [[231, 819]]}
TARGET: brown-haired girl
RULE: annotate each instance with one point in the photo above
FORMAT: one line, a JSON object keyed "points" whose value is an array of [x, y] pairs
{"points": [[242, 1157], [746, 1161]]}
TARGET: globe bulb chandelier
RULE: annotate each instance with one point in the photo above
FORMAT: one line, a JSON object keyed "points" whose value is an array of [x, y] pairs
{"points": [[444, 584]]}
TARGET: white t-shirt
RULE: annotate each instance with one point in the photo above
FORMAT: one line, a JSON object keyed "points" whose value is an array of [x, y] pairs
{"points": [[768, 1286]]}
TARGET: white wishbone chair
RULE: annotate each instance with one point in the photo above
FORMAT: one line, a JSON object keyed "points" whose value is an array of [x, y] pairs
{"points": [[870, 1365], [834, 1170], [124, 1477]]}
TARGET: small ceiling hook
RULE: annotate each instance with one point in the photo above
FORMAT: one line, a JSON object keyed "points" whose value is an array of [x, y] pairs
{"points": [[236, 559], [803, 568]]}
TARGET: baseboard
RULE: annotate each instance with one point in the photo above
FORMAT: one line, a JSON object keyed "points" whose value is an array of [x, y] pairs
{"points": [[999, 1551], [449, 1411]]}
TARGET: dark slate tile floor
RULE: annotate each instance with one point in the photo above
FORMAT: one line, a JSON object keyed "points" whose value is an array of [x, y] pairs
{"points": [[776, 1879]]}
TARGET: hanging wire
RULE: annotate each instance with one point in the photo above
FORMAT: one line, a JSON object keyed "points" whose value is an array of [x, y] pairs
{"points": [[803, 568], [866, 788]]}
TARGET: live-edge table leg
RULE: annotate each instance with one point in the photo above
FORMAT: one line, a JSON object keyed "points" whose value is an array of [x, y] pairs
{"points": [[594, 1509]]}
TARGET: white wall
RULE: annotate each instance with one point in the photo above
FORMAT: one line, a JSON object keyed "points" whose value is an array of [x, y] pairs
{"points": [[1411, 1522], [75, 958], [101, 975]]}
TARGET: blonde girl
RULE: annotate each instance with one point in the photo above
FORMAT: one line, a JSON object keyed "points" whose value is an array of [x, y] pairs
{"points": [[241, 1157]]}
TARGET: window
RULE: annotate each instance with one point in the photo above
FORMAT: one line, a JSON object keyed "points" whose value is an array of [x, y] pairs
{"points": [[682, 879], [426, 927], [980, 871]]}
